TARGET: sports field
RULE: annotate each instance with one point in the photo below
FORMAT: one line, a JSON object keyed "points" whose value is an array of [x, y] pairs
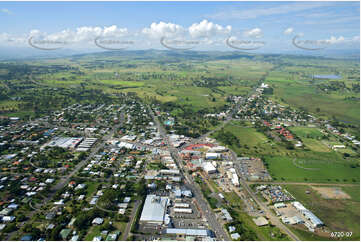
{"points": [[310, 169]]}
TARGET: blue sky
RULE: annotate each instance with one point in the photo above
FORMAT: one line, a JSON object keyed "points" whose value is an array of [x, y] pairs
{"points": [[335, 22]]}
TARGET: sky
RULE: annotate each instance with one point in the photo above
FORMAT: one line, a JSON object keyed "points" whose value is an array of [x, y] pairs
{"points": [[253, 26]]}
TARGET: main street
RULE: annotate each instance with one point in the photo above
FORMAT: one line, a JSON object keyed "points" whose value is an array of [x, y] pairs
{"points": [[217, 228]]}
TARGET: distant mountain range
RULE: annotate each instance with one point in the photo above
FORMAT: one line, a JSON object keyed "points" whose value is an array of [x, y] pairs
{"points": [[20, 53]]}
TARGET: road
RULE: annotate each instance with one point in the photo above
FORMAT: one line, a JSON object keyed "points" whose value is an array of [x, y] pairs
{"points": [[217, 228], [264, 207], [227, 120], [274, 220], [132, 218]]}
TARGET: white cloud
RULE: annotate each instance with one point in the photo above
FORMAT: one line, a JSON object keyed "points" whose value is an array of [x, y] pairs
{"points": [[342, 40], [334, 40], [161, 29], [6, 11], [81, 34], [4, 36], [288, 31], [208, 29], [114, 30], [339, 40], [253, 33]]}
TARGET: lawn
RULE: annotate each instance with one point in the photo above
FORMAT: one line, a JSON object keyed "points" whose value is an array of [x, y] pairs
{"points": [[307, 132], [316, 145], [252, 142], [120, 226], [91, 187], [93, 231]]}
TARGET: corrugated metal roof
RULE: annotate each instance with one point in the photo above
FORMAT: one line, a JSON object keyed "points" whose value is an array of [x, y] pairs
{"points": [[313, 218], [154, 208], [191, 232]]}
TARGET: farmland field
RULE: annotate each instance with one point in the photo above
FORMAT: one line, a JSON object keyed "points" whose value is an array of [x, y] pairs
{"points": [[306, 96]]}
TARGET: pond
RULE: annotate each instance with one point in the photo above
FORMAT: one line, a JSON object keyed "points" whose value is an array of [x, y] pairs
{"points": [[326, 76]]}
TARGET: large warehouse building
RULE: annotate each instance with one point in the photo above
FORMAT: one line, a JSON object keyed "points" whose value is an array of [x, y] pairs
{"points": [[154, 210]]}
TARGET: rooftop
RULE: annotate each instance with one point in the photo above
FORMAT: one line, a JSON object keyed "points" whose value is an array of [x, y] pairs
{"points": [[154, 209]]}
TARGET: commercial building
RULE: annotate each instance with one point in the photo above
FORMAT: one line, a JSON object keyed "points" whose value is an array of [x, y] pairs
{"points": [[209, 168], [226, 215], [181, 205], [279, 205], [183, 210], [63, 142], [314, 220], [190, 232], [212, 156], [169, 172], [235, 180], [154, 210]]}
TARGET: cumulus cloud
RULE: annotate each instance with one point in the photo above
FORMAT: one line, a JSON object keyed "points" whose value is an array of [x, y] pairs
{"points": [[253, 33], [81, 34], [288, 31], [162, 29], [208, 29]]}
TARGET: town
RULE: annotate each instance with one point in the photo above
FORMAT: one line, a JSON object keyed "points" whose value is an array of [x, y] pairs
{"points": [[121, 172]]}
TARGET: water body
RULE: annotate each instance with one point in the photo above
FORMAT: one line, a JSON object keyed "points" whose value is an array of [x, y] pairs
{"points": [[327, 77]]}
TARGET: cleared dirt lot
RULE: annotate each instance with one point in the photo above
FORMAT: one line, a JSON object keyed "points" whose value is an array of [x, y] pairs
{"points": [[331, 192]]}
